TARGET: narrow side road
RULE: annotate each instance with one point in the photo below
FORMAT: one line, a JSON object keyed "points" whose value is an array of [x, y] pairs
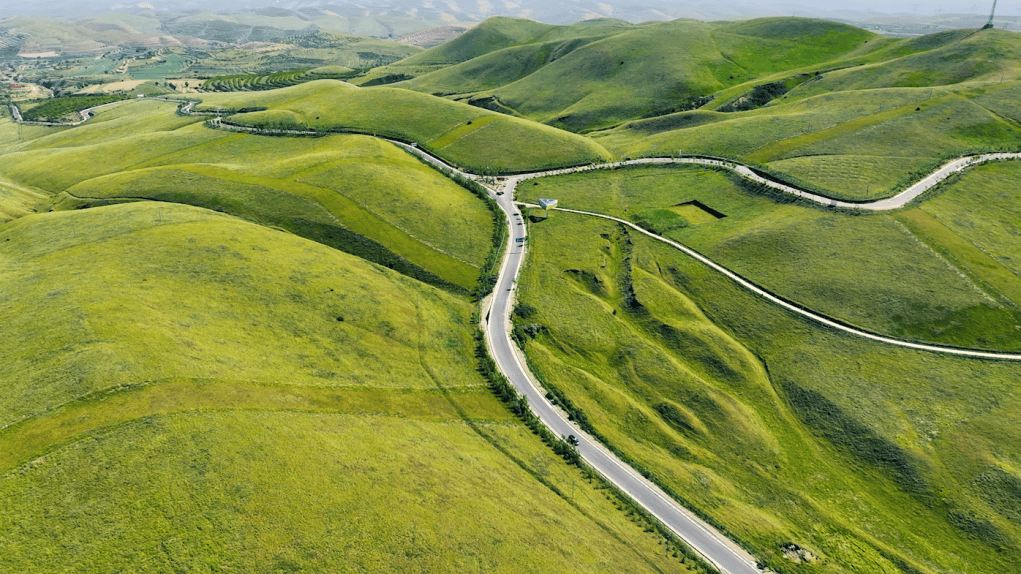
{"points": [[723, 553], [792, 307], [895, 202]]}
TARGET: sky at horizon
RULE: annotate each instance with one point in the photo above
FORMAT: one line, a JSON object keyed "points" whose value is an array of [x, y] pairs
{"points": [[860, 9]]}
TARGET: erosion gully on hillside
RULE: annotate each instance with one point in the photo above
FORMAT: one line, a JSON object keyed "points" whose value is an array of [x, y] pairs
{"points": [[714, 547]]}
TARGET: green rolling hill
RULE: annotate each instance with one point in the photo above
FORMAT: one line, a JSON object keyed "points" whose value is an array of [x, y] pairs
{"points": [[491, 38], [827, 106], [186, 390], [353, 193], [233, 351], [797, 439], [480, 140], [864, 130], [592, 76]]}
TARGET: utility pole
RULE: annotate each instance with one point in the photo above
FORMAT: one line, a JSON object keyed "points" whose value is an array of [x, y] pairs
{"points": [[989, 24]]}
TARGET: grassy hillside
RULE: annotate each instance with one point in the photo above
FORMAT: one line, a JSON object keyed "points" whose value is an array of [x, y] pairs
{"points": [[17, 201], [464, 135], [980, 208], [491, 38], [884, 273], [865, 130], [185, 390], [831, 107], [822, 452], [586, 77], [353, 193]]}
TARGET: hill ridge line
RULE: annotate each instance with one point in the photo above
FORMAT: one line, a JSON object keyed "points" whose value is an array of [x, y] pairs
{"points": [[717, 549]]}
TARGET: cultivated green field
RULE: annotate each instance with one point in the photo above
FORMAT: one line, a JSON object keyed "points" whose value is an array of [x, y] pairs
{"points": [[788, 435], [240, 82], [879, 272], [500, 145], [354, 193], [183, 389]]}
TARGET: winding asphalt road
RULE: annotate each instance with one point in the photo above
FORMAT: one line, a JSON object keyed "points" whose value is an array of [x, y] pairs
{"points": [[714, 547], [709, 543]]}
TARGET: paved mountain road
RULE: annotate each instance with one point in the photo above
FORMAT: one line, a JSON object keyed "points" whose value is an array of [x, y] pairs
{"points": [[713, 546]]}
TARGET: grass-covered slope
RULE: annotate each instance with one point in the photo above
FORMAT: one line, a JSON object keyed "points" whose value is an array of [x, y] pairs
{"points": [[152, 291], [597, 76], [489, 37], [899, 274], [824, 453], [468, 136], [17, 201], [353, 193], [867, 129], [983, 208], [183, 390]]}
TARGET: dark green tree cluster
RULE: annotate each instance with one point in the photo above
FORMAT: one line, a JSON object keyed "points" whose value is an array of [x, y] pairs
{"points": [[518, 404], [55, 108], [491, 267], [758, 97]]}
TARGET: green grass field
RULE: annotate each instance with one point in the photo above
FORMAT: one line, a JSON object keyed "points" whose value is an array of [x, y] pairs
{"points": [[980, 209], [879, 272], [585, 77], [403, 114], [351, 192], [780, 431], [17, 201], [187, 390], [864, 129], [208, 365]]}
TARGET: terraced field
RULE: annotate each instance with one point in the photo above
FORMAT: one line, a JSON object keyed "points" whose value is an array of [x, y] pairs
{"points": [[245, 82]]}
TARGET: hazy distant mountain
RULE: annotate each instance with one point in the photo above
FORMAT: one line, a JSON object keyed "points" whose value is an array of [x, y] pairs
{"points": [[72, 26], [548, 11]]}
